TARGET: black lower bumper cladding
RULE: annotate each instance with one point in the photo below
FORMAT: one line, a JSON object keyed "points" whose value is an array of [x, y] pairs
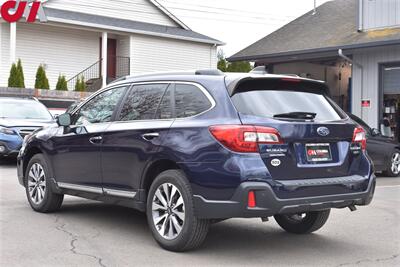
{"points": [[268, 204]]}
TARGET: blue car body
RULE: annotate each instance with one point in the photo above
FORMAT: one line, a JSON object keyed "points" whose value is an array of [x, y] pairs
{"points": [[123, 161], [13, 130]]}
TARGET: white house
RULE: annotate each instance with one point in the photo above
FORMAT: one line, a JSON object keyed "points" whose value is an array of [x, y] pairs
{"points": [[102, 40]]}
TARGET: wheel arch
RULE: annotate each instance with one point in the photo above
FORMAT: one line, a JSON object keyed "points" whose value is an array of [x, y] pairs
{"points": [[30, 152], [154, 169]]}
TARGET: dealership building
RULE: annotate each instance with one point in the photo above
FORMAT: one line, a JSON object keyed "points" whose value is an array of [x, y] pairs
{"points": [[353, 45], [102, 41]]}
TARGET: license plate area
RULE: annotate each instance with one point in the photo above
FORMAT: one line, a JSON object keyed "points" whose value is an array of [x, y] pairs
{"points": [[319, 152]]}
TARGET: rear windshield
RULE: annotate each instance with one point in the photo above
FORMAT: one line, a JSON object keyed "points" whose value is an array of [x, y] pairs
{"points": [[269, 103]]}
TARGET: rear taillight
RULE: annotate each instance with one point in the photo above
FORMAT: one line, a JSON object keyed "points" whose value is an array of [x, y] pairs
{"points": [[245, 138], [360, 138]]}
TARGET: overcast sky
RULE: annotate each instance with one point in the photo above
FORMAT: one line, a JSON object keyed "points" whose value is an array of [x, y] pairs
{"points": [[238, 23]]}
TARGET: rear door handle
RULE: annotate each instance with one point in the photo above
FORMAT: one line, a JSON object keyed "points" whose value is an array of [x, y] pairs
{"points": [[150, 136], [95, 140]]}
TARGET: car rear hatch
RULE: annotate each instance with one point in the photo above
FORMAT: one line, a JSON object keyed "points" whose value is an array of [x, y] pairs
{"points": [[301, 133]]}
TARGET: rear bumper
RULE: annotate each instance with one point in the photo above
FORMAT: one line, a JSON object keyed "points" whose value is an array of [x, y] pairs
{"points": [[268, 204]]}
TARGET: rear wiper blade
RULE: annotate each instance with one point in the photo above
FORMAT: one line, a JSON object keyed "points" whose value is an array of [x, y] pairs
{"points": [[297, 115]]}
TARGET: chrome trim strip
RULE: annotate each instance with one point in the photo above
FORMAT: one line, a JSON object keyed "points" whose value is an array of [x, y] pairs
{"points": [[119, 193], [131, 84], [84, 188]]}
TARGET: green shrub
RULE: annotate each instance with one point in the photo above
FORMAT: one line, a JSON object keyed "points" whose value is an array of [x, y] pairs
{"points": [[239, 66], [16, 78], [62, 83], [21, 78], [41, 81], [13, 78], [80, 85]]}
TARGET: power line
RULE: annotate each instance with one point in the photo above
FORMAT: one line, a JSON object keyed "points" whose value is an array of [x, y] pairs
{"points": [[191, 10], [230, 20], [225, 14], [224, 9], [187, 16]]}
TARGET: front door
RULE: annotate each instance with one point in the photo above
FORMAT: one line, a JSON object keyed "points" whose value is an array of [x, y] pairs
{"points": [[77, 149], [133, 140], [111, 58]]}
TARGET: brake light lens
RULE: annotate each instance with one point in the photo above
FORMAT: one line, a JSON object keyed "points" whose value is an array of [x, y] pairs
{"points": [[245, 138], [251, 199], [359, 137]]}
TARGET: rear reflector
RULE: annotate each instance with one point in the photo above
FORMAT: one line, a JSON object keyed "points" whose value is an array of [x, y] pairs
{"points": [[359, 137], [251, 199], [245, 138]]}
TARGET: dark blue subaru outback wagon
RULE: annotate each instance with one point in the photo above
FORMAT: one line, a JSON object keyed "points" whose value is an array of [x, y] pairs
{"points": [[190, 149]]}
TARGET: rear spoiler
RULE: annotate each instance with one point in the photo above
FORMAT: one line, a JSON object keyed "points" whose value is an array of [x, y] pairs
{"points": [[249, 83]]}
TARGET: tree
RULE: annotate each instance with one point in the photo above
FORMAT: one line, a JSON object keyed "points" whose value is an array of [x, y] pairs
{"points": [[62, 83], [13, 78], [21, 78], [16, 78], [41, 81], [80, 85], [222, 63], [239, 66]]}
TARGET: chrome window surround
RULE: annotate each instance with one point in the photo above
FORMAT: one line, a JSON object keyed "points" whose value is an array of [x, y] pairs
{"points": [[130, 85]]}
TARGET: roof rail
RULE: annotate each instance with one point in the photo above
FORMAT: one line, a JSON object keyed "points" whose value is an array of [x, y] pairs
{"points": [[212, 72]]}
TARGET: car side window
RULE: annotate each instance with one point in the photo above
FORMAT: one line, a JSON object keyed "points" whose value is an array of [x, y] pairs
{"points": [[190, 101], [142, 101], [100, 108], [165, 109]]}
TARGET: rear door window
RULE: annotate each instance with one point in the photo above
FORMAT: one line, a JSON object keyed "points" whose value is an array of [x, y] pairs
{"points": [[142, 101]]}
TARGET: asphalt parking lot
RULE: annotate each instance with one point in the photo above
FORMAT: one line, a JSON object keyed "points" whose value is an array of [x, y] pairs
{"points": [[88, 233]]}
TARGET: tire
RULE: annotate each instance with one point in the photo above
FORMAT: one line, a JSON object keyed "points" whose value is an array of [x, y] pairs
{"points": [[393, 168], [175, 228], [308, 223], [39, 190]]}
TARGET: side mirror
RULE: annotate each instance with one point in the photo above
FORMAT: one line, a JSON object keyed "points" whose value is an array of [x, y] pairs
{"points": [[375, 132], [64, 119]]}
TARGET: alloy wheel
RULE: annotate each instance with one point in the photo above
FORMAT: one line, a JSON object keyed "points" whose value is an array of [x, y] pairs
{"points": [[168, 211], [396, 163], [36, 183]]}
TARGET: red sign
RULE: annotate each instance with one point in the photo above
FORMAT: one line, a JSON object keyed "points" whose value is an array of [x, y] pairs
{"points": [[366, 103], [13, 11]]}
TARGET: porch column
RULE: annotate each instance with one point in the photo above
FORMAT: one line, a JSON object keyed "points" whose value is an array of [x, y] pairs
{"points": [[104, 58], [131, 53], [13, 41]]}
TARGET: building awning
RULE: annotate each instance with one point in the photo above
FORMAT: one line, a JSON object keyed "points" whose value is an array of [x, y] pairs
{"points": [[115, 24]]}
